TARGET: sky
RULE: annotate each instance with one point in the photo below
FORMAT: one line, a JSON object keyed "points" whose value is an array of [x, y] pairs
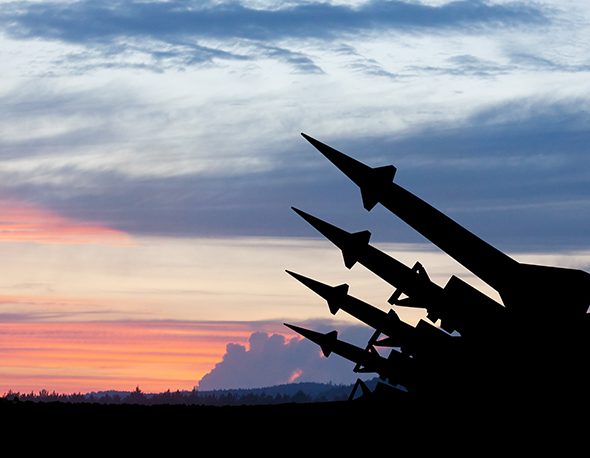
{"points": [[150, 154]]}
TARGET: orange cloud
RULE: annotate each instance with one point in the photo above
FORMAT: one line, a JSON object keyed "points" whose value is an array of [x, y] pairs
{"points": [[90, 356], [297, 373], [26, 222]]}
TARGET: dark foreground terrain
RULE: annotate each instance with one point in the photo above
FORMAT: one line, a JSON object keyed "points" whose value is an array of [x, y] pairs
{"points": [[340, 426]]}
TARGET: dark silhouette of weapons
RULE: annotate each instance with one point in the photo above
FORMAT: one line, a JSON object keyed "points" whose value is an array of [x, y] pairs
{"points": [[531, 350], [399, 334], [395, 369], [459, 306], [517, 283]]}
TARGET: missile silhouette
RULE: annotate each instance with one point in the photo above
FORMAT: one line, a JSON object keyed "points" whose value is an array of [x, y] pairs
{"points": [[412, 340], [519, 285], [337, 297], [459, 306], [371, 181], [505, 353], [396, 367], [355, 248], [474, 253]]}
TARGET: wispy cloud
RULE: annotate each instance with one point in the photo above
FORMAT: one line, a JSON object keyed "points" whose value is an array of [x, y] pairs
{"points": [[298, 60], [135, 54], [88, 20], [362, 64], [538, 62], [528, 154], [463, 65], [186, 33]]}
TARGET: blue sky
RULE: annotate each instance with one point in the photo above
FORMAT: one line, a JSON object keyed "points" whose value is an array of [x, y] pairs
{"points": [[177, 124], [481, 105]]}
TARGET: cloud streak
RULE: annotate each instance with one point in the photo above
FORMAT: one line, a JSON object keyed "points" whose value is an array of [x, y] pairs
{"points": [[114, 27], [89, 356], [523, 161], [88, 20]]}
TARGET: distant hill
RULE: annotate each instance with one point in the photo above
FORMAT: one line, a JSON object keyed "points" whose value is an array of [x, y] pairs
{"points": [[314, 390], [280, 394]]}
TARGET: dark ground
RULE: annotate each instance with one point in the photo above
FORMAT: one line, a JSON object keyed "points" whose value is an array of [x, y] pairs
{"points": [[339, 426]]}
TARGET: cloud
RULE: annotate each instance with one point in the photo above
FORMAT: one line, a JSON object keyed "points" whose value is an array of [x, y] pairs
{"points": [[363, 64], [516, 173], [534, 62], [472, 66], [272, 359], [84, 21], [26, 222], [463, 65], [298, 60], [139, 55], [169, 33]]}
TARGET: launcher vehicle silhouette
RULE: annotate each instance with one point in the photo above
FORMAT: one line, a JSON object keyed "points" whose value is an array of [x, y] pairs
{"points": [[535, 342]]}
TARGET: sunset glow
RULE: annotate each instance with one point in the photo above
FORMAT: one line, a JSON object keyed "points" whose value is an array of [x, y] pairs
{"points": [[26, 222], [81, 357]]}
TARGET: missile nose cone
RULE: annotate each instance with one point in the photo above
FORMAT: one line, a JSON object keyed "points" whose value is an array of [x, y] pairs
{"points": [[307, 217], [308, 138], [297, 276], [351, 244], [297, 329], [333, 155], [331, 232], [317, 287], [334, 295], [318, 144], [325, 341], [314, 336], [369, 180]]}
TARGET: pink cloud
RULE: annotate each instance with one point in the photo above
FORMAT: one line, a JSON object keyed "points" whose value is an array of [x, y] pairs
{"points": [[26, 222]]}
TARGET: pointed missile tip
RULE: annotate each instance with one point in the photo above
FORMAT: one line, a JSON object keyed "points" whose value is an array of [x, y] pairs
{"points": [[306, 216], [316, 286], [297, 329], [309, 138], [295, 275]]}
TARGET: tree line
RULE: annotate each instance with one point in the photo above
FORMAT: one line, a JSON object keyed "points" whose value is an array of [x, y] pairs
{"points": [[194, 397]]}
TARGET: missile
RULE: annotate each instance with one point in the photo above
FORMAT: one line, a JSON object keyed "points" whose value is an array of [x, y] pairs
{"points": [[396, 367], [337, 297], [327, 341], [399, 334], [352, 245], [371, 181], [478, 256], [458, 304], [517, 283], [355, 248]]}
